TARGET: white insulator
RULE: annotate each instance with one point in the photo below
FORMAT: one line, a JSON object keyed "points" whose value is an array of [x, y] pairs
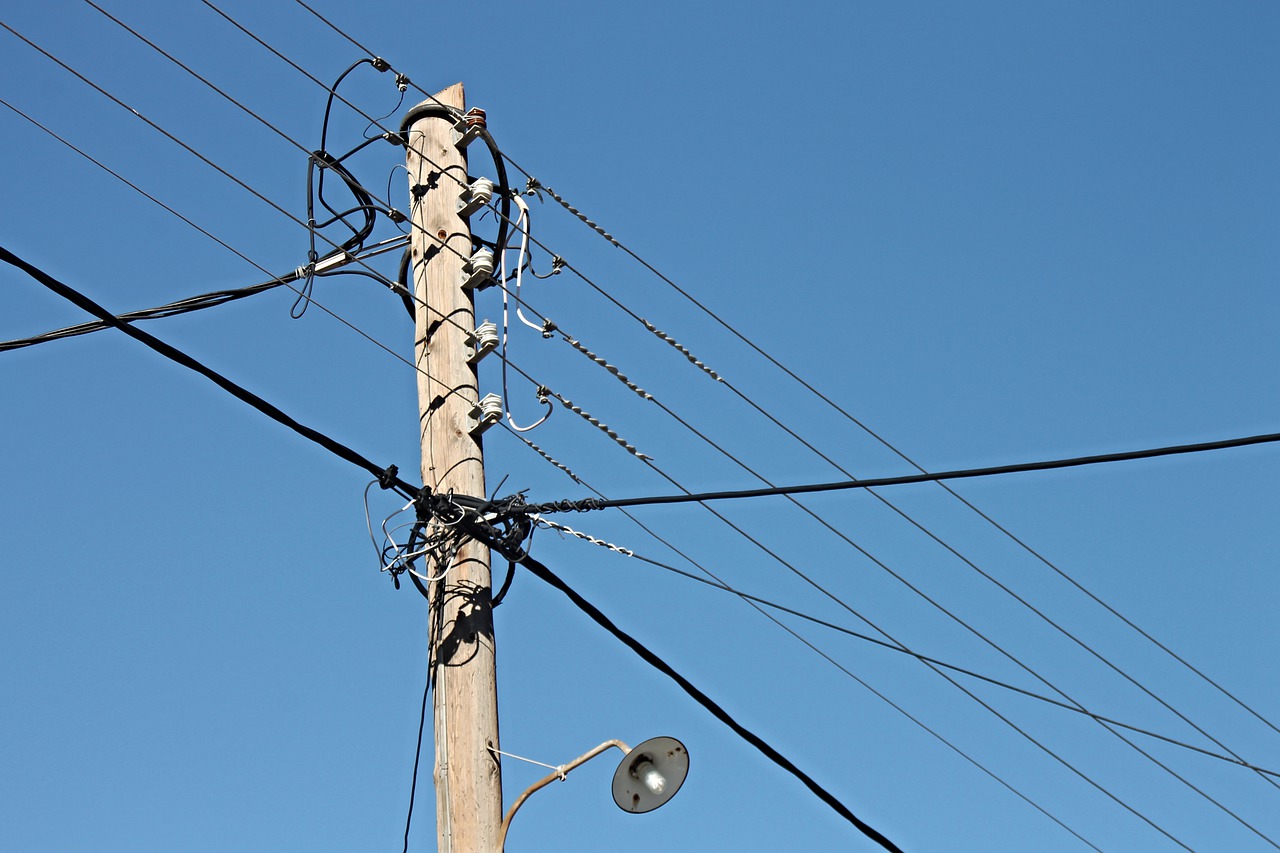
{"points": [[486, 413], [482, 341], [477, 270], [475, 196]]}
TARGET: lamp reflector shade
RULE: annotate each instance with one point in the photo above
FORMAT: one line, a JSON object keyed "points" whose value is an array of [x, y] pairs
{"points": [[650, 775]]}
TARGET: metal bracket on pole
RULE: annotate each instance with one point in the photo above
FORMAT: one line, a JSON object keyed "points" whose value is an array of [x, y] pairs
{"points": [[468, 128]]}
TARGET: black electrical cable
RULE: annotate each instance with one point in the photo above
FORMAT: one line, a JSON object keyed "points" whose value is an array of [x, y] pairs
{"points": [[498, 596], [547, 576], [387, 477], [417, 756], [487, 534], [172, 309], [439, 110], [327, 161], [1048, 465]]}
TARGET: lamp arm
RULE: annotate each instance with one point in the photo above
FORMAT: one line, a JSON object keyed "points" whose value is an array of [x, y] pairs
{"points": [[560, 773]]}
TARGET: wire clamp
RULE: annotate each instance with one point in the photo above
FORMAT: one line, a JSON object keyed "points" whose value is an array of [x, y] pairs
{"points": [[387, 479]]}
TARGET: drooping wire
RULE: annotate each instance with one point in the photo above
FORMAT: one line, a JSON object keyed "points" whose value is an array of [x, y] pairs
{"points": [[321, 161], [502, 212]]}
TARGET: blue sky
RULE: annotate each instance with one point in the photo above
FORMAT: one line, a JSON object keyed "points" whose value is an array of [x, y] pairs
{"points": [[990, 232]]}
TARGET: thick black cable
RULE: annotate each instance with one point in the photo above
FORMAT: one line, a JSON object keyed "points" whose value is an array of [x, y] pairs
{"points": [[387, 476], [172, 309], [547, 576], [967, 473]]}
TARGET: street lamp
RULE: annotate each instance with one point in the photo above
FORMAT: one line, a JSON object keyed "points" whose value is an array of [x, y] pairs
{"points": [[647, 778]]}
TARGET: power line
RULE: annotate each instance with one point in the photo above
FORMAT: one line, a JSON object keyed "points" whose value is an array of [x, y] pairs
{"points": [[1004, 719], [918, 525], [136, 188], [304, 4], [967, 473], [387, 477], [653, 329], [182, 306], [1014, 659], [588, 504], [1003, 587], [535, 183], [995, 682]]}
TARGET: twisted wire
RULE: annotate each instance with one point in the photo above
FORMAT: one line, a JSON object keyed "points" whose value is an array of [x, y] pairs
{"points": [[595, 422], [534, 186], [573, 342]]}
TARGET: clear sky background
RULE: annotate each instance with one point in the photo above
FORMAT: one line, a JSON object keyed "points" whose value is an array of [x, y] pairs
{"points": [[991, 232]]}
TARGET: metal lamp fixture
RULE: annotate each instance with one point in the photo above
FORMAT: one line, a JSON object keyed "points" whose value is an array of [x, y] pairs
{"points": [[650, 775], [647, 778]]}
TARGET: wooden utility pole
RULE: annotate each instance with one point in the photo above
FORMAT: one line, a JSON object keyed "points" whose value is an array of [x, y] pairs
{"points": [[468, 776]]}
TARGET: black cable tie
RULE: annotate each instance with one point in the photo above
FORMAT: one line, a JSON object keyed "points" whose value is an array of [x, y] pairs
{"points": [[387, 479], [380, 63]]}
